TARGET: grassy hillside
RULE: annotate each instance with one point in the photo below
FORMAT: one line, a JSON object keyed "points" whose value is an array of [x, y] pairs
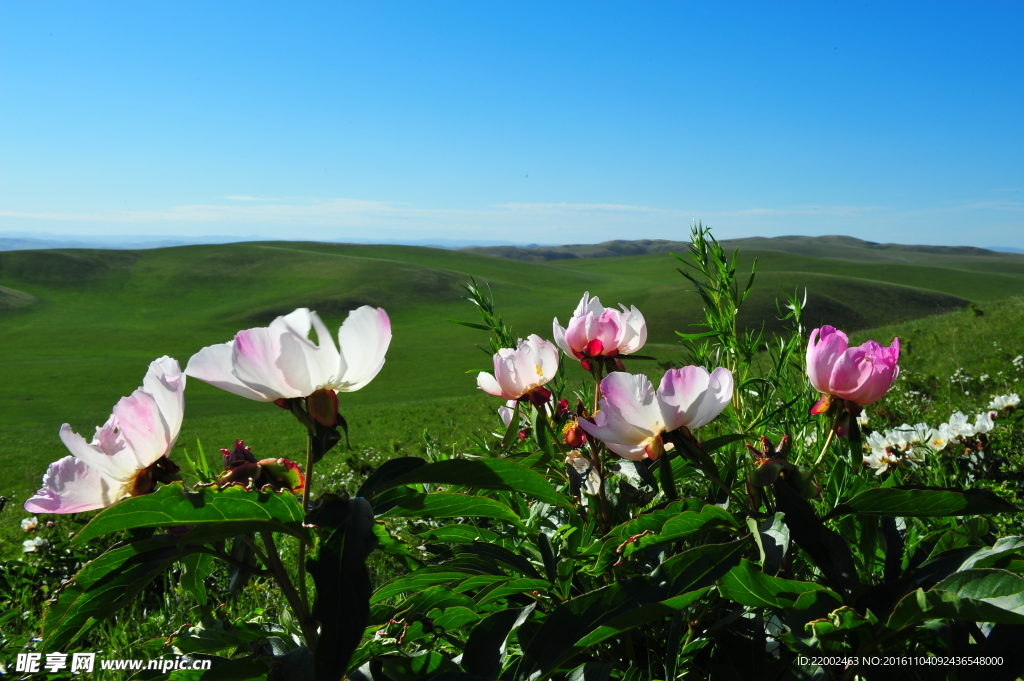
{"points": [[79, 327]]}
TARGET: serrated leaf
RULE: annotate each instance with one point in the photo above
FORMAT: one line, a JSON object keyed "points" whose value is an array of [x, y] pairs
{"points": [[229, 510]]}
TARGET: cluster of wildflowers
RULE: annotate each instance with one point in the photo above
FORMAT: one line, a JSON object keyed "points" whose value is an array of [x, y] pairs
{"points": [[907, 445]]}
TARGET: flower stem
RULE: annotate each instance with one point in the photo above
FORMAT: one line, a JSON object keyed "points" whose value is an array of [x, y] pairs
{"points": [[828, 441], [305, 508], [273, 560]]}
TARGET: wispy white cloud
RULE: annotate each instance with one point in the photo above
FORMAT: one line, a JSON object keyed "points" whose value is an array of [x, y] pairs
{"points": [[525, 222], [250, 198]]}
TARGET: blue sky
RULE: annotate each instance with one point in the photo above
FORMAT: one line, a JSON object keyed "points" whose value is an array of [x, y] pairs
{"points": [[525, 122]]}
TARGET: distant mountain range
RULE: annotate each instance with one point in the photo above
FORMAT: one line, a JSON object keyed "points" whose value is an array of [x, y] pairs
{"points": [[833, 246], [22, 241]]}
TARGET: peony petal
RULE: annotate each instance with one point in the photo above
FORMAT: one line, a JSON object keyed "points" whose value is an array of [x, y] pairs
{"points": [[308, 366], [364, 339], [112, 457], [681, 393], [716, 398], [144, 430], [213, 365], [632, 406], [630, 452], [255, 356], [71, 486], [635, 333], [576, 333], [165, 382], [506, 375], [489, 385], [559, 334], [547, 358], [825, 347]]}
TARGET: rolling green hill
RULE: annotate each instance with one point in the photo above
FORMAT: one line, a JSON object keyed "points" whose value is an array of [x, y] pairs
{"points": [[78, 327]]}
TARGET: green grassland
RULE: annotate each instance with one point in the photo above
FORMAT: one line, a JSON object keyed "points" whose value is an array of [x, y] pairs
{"points": [[79, 327]]}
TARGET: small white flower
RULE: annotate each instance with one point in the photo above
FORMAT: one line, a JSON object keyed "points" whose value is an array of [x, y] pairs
{"points": [[29, 524], [862, 420], [1001, 402], [34, 545], [983, 423], [959, 426]]}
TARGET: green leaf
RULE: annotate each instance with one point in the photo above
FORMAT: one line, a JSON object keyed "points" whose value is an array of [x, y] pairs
{"points": [[229, 510], [512, 586], [196, 568], [772, 537], [986, 557], [435, 597], [640, 616], [104, 586], [447, 505], [379, 479], [979, 595], [717, 443], [748, 586], [415, 582], [458, 534], [559, 637], [416, 667], [343, 588], [923, 502], [682, 526], [485, 648], [452, 618], [493, 474]]}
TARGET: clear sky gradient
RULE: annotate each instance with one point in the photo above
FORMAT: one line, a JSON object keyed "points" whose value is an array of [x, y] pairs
{"points": [[549, 122]]}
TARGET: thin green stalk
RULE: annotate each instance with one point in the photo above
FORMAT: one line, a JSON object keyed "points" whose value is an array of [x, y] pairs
{"points": [[291, 595], [303, 590]]}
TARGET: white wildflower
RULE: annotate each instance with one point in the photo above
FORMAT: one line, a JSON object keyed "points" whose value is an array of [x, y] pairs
{"points": [[29, 524], [34, 545], [1001, 402], [959, 426]]}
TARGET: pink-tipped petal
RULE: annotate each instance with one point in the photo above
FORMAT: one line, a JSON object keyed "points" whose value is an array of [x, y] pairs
{"points": [[559, 335], [635, 334], [825, 347], [631, 405], [108, 454], [213, 365], [576, 336], [364, 339], [166, 383], [681, 393], [143, 428], [716, 399], [489, 385], [256, 361], [627, 451], [70, 486]]}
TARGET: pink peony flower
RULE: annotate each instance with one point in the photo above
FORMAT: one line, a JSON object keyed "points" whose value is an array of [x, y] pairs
{"points": [[522, 373], [127, 455], [861, 375], [595, 331], [281, 362], [633, 417]]}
